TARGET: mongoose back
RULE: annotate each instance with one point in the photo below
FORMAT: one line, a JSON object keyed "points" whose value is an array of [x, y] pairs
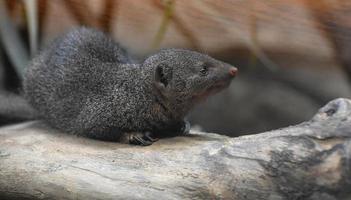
{"points": [[86, 84]]}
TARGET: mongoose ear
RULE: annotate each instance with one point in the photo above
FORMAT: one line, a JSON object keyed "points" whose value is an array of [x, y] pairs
{"points": [[161, 81]]}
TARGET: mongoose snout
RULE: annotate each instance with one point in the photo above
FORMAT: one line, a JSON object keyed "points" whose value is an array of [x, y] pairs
{"points": [[233, 71]]}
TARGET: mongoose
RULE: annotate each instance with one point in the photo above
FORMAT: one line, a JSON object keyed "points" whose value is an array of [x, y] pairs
{"points": [[86, 84]]}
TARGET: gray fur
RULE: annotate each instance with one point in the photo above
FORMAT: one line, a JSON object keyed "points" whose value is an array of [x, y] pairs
{"points": [[86, 84]]}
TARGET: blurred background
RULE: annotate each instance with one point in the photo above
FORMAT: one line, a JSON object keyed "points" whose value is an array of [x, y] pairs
{"points": [[293, 56]]}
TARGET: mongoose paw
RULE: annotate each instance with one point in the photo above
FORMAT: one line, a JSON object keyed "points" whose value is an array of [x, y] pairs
{"points": [[186, 128], [141, 138]]}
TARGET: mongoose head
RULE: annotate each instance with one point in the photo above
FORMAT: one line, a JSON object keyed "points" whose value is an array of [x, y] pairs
{"points": [[184, 77]]}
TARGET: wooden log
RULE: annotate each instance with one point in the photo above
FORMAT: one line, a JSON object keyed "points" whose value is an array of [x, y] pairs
{"points": [[311, 160]]}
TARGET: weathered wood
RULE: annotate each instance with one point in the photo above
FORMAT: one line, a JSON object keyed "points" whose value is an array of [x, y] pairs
{"points": [[311, 160]]}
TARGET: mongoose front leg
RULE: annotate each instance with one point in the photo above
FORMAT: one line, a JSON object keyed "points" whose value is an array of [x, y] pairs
{"points": [[185, 128], [178, 129], [138, 138]]}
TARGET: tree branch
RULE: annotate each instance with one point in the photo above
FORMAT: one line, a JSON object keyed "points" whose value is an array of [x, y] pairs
{"points": [[311, 160]]}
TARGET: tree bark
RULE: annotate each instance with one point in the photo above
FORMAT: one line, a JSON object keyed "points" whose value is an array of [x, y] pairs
{"points": [[311, 160]]}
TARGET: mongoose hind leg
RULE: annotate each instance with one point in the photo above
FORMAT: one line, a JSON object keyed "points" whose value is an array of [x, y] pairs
{"points": [[138, 138]]}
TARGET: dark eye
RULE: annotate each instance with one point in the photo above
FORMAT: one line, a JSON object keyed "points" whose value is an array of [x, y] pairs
{"points": [[204, 70]]}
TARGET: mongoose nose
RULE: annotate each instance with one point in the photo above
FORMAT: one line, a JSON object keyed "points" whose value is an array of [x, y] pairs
{"points": [[233, 71]]}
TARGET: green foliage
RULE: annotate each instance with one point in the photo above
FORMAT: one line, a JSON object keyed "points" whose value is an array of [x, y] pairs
{"points": [[32, 23], [12, 42], [167, 15]]}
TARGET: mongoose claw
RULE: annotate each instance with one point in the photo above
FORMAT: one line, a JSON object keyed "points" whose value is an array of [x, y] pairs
{"points": [[143, 139]]}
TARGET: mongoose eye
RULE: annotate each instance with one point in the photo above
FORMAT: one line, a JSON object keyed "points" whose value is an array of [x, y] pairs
{"points": [[204, 70]]}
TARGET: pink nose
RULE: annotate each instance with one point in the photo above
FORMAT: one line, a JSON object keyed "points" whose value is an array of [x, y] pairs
{"points": [[233, 71]]}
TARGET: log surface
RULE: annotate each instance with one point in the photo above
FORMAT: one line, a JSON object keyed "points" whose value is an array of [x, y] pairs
{"points": [[311, 160]]}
